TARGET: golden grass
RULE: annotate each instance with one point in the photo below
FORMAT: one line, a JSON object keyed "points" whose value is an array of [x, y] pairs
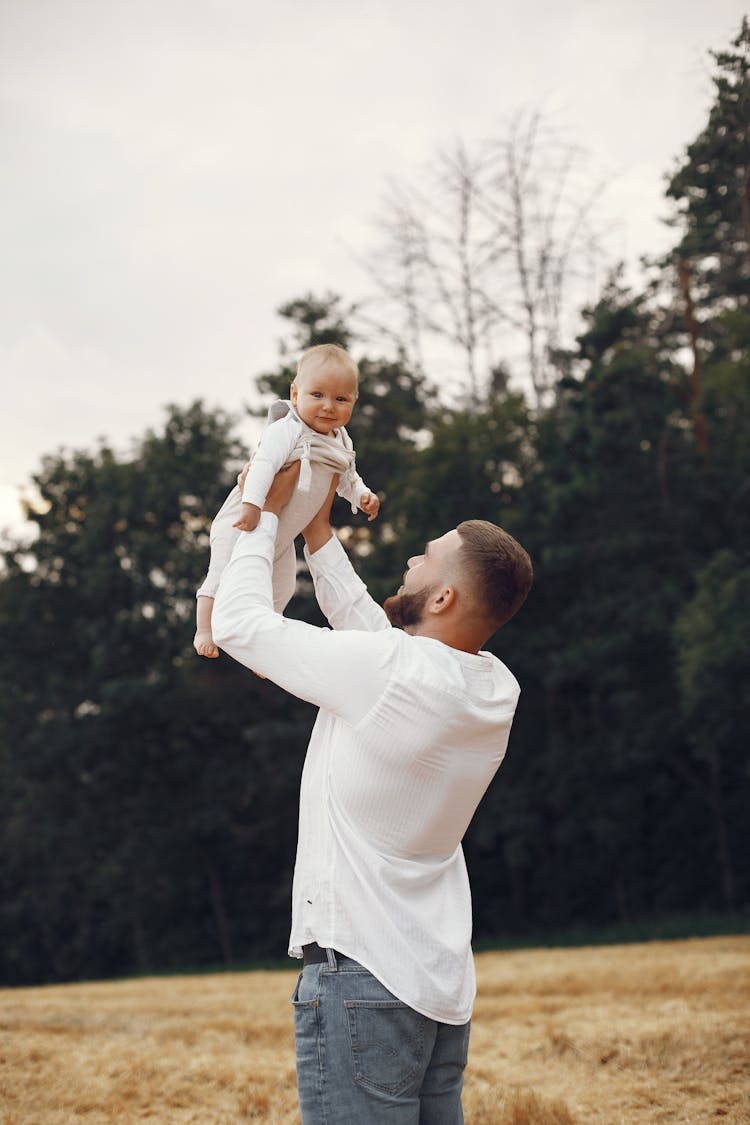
{"points": [[648, 1033]]}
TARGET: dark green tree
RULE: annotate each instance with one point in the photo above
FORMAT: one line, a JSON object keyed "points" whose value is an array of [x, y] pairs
{"points": [[712, 634], [148, 797], [602, 513], [711, 188]]}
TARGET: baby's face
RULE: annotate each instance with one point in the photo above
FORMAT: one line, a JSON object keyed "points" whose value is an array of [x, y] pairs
{"points": [[323, 395]]}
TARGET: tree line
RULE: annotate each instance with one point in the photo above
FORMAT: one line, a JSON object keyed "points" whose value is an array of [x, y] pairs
{"points": [[148, 798]]}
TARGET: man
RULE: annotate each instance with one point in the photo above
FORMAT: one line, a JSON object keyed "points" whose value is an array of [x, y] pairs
{"points": [[413, 723]]}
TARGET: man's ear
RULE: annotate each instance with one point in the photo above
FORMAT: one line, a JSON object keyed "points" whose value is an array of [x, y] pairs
{"points": [[442, 599]]}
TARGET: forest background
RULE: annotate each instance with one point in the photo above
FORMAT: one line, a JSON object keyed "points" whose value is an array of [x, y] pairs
{"points": [[148, 799]]}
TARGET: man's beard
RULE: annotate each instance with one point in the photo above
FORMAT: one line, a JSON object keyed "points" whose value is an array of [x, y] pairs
{"points": [[407, 610]]}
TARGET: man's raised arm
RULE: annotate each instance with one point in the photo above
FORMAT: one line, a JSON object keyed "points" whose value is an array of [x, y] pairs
{"points": [[344, 673], [341, 593]]}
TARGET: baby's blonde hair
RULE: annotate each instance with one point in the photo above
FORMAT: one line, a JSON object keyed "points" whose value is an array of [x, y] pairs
{"points": [[335, 352]]}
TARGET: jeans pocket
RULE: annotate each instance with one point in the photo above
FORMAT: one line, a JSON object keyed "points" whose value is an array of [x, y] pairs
{"points": [[305, 993], [388, 1041]]}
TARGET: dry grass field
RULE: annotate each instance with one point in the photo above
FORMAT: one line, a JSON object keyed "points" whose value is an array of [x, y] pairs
{"points": [[650, 1033]]}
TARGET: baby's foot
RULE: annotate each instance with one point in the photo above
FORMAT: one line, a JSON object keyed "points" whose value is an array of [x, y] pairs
{"points": [[203, 643]]}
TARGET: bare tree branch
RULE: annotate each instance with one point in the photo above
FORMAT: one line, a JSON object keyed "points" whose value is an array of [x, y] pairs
{"points": [[485, 257]]}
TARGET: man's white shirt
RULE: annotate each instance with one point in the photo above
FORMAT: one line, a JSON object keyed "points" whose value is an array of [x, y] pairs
{"points": [[409, 734]]}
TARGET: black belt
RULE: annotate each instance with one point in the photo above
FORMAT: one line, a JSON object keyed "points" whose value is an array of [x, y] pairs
{"points": [[314, 954]]}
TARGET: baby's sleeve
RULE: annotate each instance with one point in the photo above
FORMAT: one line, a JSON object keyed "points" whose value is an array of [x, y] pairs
{"points": [[351, 487], [276, 443]]}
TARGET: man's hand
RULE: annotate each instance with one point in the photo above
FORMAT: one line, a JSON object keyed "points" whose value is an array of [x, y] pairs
{"points": [[249, 518], [370, 504], [318, 531], [282, 487]]}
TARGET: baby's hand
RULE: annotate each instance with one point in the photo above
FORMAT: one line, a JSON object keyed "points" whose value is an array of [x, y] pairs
{"points": [[370, 504], [248, 521]]}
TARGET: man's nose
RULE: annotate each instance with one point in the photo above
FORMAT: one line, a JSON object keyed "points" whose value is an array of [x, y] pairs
{"points": [[414, 560]]}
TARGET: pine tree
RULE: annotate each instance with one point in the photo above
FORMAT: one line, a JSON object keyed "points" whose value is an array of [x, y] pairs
{"points": [[712, 187]]}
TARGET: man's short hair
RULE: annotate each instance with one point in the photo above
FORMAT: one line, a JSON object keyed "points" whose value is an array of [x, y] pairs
{"points": [[334, 352], [498, 568]]}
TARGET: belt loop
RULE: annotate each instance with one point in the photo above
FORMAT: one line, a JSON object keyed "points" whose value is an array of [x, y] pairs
{"points": [[331, 960]]}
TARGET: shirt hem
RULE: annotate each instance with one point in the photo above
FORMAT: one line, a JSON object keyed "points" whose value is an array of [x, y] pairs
{"points": [[423, 1010]]}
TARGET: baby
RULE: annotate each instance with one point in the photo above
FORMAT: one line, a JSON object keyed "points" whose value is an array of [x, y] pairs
{"points": [[309, 428]]}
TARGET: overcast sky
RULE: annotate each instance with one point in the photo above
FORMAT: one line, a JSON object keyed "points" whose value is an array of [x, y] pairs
{"points": [[173, 170]]}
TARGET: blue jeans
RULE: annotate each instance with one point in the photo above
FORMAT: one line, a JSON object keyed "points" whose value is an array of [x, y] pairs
{"points": [[364, 1057]]}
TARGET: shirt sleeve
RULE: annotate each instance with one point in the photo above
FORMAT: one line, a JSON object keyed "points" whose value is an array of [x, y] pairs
{"points": [[276, 443], [341, 593], [344, 673], [352, 489]]}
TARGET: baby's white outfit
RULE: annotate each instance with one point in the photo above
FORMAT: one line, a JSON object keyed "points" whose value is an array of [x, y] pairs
{"points": [[286, 438]]}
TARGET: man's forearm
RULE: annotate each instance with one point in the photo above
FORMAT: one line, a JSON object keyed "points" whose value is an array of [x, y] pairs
{"points": [[342, 673], [317, 535], [341, 593], [318, 531], [245, 594]]}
